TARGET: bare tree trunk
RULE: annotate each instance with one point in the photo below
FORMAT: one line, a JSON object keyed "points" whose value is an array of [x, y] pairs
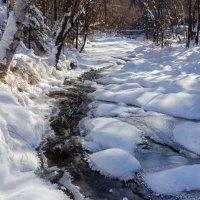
{"points": [[84, 42], [12, 34], [55, 11], [147, 26], [44, 7], [157, 25], [105, 12], [198, 21], [77, 33], [86, 26], [189, 35], [67, 25], [161, 25]]}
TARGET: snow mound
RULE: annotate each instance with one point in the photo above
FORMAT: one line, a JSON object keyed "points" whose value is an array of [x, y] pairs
{"points": [[91, 146], [174, 181], [125, 86], [180, 104], [115, 163], [137, 97], [188, 135], [111, 110], [112, 133]]}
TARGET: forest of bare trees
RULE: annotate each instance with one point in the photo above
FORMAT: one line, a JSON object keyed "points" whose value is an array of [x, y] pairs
{"points": [[72, 21], [166, 19]]}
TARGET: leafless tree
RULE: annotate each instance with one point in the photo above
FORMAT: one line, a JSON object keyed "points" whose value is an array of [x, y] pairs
{"points": [[12, 33]]}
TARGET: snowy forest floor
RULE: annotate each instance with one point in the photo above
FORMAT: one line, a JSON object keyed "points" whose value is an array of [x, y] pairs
{"points": [[138, 139]]}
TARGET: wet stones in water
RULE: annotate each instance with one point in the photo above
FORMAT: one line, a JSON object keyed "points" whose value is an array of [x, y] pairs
{"points": [[65, 93], [62, 126], [73, 65], [70, 114], [93, 74], [58, 94], [119, 63], [70, 145], [69, 81], [90, 76], [55, 176], [60, 150]]}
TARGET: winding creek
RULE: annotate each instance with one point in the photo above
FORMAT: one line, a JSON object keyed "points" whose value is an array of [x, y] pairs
{"points": [[63, 156]]}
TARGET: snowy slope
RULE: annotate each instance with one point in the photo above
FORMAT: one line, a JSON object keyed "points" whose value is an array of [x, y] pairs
{"points": [[21, 130], [22, 124]]}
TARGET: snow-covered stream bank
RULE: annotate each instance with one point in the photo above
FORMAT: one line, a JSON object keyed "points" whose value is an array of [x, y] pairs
{"points": [[25, 111], [139, 140]]}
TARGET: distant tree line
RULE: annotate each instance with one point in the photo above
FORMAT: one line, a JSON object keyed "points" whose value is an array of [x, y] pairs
{"points": [[166, 18], [38, 23]]}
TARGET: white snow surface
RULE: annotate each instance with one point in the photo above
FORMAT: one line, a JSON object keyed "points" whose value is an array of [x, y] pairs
{"points": [[22, 120], [111, 110], [174, 181], [162, 80], [115, 163]]}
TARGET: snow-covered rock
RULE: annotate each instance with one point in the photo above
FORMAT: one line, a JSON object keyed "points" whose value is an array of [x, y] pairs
{"points": [[181, 104], [115, 163], [112, 133], [174, 181]]}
